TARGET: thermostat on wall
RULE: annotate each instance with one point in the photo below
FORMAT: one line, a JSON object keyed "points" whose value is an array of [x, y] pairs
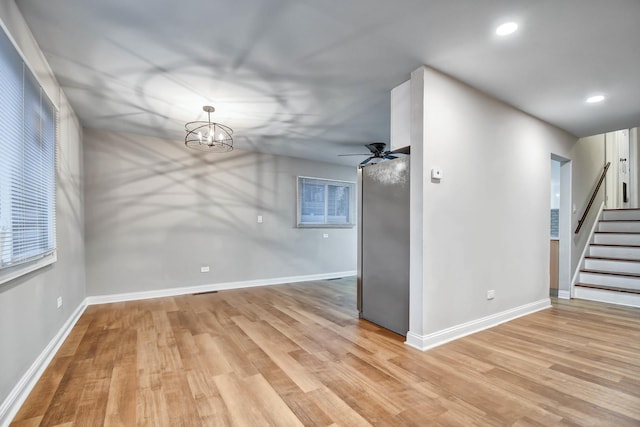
{"points": [[436, 173]]}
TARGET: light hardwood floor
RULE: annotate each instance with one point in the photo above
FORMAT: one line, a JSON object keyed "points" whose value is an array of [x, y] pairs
{"points": [[296, 354]]}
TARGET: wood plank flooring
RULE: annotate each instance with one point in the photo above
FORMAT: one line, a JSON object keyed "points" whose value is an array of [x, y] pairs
{"points": [[296, 354]]}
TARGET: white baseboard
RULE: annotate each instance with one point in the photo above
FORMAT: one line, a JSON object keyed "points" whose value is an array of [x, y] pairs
{"points": [[132, 296], [564, 294], [425, 342], [414, 340], [21, 390]]}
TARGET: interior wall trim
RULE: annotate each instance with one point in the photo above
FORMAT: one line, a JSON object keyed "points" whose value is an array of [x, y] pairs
{"points": [[435, 339], [564, 294], [132, 296], [9, 408]]}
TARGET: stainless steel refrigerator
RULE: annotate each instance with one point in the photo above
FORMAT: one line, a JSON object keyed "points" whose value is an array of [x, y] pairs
{"points": [[383, 244]]}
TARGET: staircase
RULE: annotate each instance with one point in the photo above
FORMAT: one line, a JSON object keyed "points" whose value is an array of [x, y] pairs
{"points": [[611, 269]]}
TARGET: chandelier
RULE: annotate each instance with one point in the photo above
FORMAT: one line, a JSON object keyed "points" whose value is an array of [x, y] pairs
{"points": [[208, 136]]}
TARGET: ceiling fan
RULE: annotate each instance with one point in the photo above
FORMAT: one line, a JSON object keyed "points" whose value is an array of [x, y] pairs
{"points": [[378, 152]]}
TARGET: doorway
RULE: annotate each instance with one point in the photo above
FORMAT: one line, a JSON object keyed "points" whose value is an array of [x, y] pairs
{"points": [[560, 227], [620, 189], [554, 235]]}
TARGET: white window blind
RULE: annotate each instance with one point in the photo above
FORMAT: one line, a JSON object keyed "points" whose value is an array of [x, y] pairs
{"points": [[27, 164]]}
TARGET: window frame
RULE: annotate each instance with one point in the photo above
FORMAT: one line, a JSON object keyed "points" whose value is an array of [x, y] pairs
{"points": [[14, 270], [351, 215]]}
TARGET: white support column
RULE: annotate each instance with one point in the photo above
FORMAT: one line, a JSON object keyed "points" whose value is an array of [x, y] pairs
{"points": [[417, 178]]}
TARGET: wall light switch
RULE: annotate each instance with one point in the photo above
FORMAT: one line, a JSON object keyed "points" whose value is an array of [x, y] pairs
{"points": [[204, 269], [491, 294], [259, 219], [436, 173]]}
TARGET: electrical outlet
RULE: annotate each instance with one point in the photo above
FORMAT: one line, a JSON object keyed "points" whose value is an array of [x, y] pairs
{"points": [[491, 294], [59, 302], [204, 269], [259, 219], [325, 235]]}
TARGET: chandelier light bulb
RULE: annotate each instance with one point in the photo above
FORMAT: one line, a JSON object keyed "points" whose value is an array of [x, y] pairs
{"points": [[208, 135]]}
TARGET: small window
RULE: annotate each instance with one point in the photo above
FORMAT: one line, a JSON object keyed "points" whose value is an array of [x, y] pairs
{"points": [[325, 203], [27, 168]]}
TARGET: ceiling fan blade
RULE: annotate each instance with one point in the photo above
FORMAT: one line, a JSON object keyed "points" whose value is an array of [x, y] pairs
{"points": [[390, 156], [365, 161], [403, 150], [361, 154], [376, 147]]}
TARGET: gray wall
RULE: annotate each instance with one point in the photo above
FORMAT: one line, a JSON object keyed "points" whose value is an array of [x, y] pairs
{"points": [[29, 318], [485, 225], [157, 212], [588, 158]]}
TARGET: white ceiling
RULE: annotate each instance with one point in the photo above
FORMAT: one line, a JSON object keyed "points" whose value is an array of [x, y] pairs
{"points": [[311, 78]]}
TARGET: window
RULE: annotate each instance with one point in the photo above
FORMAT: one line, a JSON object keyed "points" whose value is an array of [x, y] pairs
{"points": [[325, 203], [27, 168]]}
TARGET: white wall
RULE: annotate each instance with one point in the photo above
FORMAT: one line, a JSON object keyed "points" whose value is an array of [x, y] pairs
{"points": [[29, 318], [588, 159], [157, 212], [485, 225], [555, 184], [400, 129]]}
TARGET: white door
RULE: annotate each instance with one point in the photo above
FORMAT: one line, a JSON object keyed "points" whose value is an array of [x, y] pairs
{"points": [[622, 137], [618, 185]]}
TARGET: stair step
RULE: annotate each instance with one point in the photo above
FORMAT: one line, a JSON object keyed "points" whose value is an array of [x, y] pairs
{"points": [[614, 251], [612, 265], [626, 274], [617, 238], [608, 288], [621, 214], [619, 226], [610, 278], [609, 294], [610, 244], [621, 233], [613, 259]]}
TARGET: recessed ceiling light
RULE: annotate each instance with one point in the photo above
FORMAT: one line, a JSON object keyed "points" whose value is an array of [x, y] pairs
{"points": [[506, 29], [595, 99]]}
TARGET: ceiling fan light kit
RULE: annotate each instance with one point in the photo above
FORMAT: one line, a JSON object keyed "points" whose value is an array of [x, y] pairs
{"points": [[207, 135]]}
